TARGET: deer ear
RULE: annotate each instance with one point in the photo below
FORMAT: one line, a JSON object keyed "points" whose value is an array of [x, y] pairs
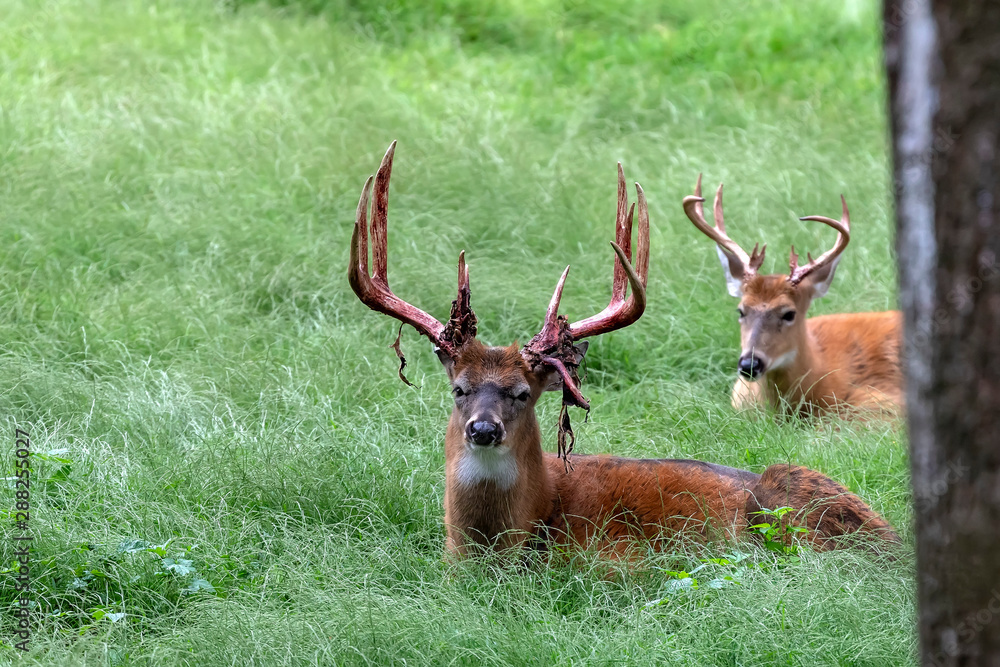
{"points": [[820, 279], [446, 361], [551, 381], [734, 272]]}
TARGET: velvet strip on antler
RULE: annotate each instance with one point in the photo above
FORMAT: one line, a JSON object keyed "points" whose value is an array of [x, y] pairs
{"points": [[462, 324]]}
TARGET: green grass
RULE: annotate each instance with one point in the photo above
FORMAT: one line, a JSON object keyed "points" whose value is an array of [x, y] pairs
{"points": [[177, 185]]}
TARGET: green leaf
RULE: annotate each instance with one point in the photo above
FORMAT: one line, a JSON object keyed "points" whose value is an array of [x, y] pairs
{"points": [[133, 546], [200, 585], [676, 585], [160, 549], [78, 583], [52, 459], [180, 566]]}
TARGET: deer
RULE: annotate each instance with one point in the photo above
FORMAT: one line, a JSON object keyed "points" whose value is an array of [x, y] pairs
{"points": [[503, 494], [846, 364]]}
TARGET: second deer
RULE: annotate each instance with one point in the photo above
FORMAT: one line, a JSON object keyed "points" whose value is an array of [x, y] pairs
{"points": [[846, 363]]}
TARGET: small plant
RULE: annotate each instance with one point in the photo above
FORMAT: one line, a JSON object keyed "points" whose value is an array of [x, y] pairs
{"points": [[778, 533], [178, 567], [681, 581]]}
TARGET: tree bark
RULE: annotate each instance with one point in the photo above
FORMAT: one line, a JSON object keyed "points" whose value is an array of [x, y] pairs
{"points": [[943, 66]]}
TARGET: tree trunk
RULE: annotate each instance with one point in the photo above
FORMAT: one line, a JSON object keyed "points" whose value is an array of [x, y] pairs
{"points": [[943, 64]]}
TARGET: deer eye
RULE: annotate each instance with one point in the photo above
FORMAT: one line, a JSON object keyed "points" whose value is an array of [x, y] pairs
{"points": [[458, 391], [742, 314], [789, 316], [523, 396]]}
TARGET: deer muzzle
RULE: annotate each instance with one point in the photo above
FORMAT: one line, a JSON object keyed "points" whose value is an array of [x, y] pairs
{"points": [[752, 366], [484, 432]]}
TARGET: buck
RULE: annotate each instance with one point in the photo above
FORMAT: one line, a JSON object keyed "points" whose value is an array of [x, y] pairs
{"points": [[846, 363], [503, 492]]}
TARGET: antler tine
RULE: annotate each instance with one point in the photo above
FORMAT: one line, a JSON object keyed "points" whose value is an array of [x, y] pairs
{"points": [[843, 226], [623, 235], [380, 217], [373, 290], [642, 242], [552, 313], [463, 273], [695, 212], [717, 209], [620, 313], [358, 270], [757, 258], [548, 337], [620, 281], [700, 200]]}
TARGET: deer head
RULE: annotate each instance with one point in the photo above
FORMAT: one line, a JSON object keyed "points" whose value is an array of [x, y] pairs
{"points": [[772, 308], [496, 388]]}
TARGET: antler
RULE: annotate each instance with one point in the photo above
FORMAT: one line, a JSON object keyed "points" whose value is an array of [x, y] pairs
{"points": [[740, 263], [373, 290], [553, 345], [619, 312], [796, 273]]}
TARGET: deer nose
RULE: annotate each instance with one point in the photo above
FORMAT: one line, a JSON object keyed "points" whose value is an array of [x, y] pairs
{"points": [[483, 433], [751, 366]]}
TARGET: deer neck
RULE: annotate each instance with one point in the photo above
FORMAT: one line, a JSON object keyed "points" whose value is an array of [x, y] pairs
{"points": [[498, 492], [804, 380]]}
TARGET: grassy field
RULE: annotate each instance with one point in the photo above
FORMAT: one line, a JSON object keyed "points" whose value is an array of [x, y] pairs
{"points": [[227, 469]]}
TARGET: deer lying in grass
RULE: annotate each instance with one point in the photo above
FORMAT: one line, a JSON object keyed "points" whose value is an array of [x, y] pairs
{"points": [[500, 487], [846, 363]]}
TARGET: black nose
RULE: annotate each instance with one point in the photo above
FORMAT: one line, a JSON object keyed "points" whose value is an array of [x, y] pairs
{"points": [[483, 433], [751, 367]]}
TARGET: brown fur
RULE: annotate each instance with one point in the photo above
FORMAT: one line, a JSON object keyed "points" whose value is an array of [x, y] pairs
{"points": [[841, 363], [827, 508], [608, 502]]}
